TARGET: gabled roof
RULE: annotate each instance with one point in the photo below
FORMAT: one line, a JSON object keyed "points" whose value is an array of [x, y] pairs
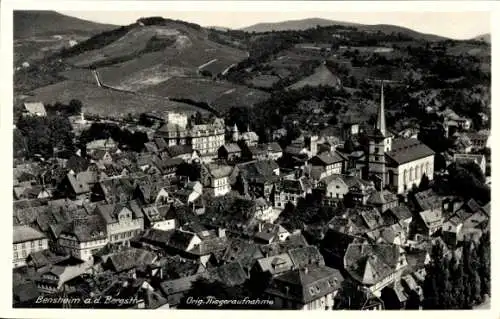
{"points": [[327, 158], [25, 233], [131, 258], [369, 263], [87, 229], [307, 284], [78, 186], [408, 150], [381, 197], [400, 212], [231, 148], [35, 108], [431, 216]]}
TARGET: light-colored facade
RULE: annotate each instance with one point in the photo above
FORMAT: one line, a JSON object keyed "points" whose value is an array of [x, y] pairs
{"points": [[204, 138], [82, 249], [404, 176], [124, 227], [26, 241]]}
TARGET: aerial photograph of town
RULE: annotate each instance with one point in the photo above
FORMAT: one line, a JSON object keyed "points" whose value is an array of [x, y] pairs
{"points": [[313, 163]]}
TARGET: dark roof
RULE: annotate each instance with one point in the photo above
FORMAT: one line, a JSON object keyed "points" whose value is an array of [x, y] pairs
{"points": [[231, 148], [301, 257], [87, 229], [110, 211], [407, 150], [428, 199], [306, 284], [400, 212], [291, 242], [231, 274], [369, 263], [260, 171], [130, 258], [244, 252], [160, 143], [177, 150], [327, 158]]}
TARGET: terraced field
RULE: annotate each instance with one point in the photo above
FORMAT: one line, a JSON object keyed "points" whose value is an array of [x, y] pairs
{"points": [[106, 102]]}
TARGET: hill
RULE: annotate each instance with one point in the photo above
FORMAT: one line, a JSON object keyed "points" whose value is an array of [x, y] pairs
{"points": [[106, 102], [483, 37], [302, 24], [305, 24], [322, 76], [39, 23]]}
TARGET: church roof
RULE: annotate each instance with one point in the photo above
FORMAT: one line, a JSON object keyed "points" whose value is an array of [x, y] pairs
{"points": [[408, 150]]}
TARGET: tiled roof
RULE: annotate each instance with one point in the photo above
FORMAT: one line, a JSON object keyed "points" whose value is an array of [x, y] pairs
{"points": [[131, 258], [232, 148], [160, 143], [301, 257], [87, 229], [35, 108], [431, 216], [78, 186], [308, 284], [276, 264], [244, 252], [400, 212], [327, 158], [231, 274], [381, 197], [370, 263], [219, 171], [292, 241], [408, 150], [177, 150], [25, 233]]}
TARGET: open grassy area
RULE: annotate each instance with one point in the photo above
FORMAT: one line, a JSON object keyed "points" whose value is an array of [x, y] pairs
{"points": [[106, 102]]}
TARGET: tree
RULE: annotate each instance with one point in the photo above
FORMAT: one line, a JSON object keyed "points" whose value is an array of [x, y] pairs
{"points": [[437, 288], [457, 276], [75, 107], [472, 281], [424, 183], [484, 253]]}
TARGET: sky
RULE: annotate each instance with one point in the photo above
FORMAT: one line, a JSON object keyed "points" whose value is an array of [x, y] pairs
{"points": [[456, 25]]}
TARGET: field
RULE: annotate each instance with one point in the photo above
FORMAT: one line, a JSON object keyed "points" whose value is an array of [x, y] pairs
{"points": [[106, 102], [221, 95], [322, 76]]}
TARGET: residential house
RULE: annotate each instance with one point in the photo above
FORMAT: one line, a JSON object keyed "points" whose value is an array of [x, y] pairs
{"points": [[263, 210], [268, 233], [35, 109], [83, 237], [332, 163], [478, 159], [479, 140], [102, 144], [383, 200], [374, 266], [26, 241], [123, 221], [309, 288], [261, 152], [215, 178], [291, 190], [190, 192], [75, 186], [258, 178], [229, 152], [184, 152], [159, 217], [429, 221], [54, 279], [129, 260], [401, 215], [115, 190], [153, 191]]}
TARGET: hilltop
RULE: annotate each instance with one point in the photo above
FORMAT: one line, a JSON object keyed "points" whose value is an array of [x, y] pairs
{"points": [[45, 23], [483, 37], [304, 24]]}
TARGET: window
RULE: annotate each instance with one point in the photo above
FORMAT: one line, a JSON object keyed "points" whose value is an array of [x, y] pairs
{"points": [[15, 255], [15, 246], [40, 243], [23, 245], [32, 243], [24, 253]]}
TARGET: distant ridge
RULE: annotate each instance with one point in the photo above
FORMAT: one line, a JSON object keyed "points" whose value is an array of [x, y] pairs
{"points": [[483, 37], [28, 23], [304, 24]]}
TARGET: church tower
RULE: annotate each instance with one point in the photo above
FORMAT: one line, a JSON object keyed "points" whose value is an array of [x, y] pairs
{"points": [[380, 143], [236, 133]]}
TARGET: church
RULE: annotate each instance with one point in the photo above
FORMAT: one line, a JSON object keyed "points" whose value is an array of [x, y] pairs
{"points": [[398, 164]]}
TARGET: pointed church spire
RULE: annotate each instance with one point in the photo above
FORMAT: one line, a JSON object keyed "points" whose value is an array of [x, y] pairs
{"points": [[380, 125]]}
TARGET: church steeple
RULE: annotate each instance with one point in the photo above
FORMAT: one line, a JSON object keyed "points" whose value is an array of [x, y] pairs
{"points": [[380, 124]]}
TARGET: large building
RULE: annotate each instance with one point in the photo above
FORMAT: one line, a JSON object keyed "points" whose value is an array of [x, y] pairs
{"points": [[398, 163], [27, 240], [204, 138]]}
